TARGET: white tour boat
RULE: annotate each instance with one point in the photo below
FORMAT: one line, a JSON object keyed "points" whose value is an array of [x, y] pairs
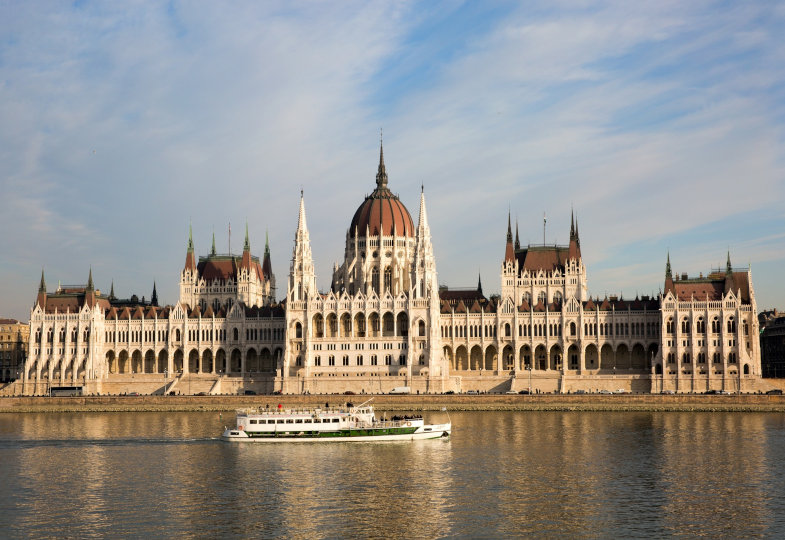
{"points": [[347, 423]]}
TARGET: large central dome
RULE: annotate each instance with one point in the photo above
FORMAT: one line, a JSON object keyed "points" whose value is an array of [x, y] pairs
{"points": [[381, 212]]}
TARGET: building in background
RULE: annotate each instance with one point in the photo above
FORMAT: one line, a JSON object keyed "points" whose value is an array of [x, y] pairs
{"points": [[772, 343], [13, 348]]}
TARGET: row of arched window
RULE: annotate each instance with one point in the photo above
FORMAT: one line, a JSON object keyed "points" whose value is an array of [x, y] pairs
{"points": [[61, 335], [700, 326]]}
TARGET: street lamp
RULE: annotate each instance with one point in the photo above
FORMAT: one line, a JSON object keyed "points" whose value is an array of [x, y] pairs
{"points": [[529, 369], [165, 373]]}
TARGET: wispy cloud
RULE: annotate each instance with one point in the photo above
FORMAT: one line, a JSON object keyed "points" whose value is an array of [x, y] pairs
{"points": [[119, 123]]}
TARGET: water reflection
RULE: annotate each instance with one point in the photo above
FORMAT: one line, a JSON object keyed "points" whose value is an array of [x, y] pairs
{"points": [[501, 474]]}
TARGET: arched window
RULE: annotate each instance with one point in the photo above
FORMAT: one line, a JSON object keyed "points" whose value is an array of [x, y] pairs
{"points": [[421, 329], [542, 297], [177, 334], [507, 329], [669, 325], [715, 326], [375, 279], [388, 280], [236, 334], [573, 329], [731, 325], [298, 330]]}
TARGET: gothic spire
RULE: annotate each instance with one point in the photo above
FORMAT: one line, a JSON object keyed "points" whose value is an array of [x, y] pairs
{"points": [[668, 273], [423, 220], [381, 175], [479, 283], [212, 251], [301, 224], [190, 259], [90, 280], [509, 228], [517, 239], [154, 297], [572, 224], [728, 267], [247, 244], [111, 290], [509, 253], [42, 286]]}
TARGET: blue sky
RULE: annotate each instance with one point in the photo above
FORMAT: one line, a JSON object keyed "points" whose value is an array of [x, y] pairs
{"points": [[660, 123]]}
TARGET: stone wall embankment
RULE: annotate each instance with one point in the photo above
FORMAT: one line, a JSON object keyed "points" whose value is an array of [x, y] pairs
{"points": [[458, 402]]}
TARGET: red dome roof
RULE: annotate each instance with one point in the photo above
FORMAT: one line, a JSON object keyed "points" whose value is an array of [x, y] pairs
{"points": [[381, 212]]}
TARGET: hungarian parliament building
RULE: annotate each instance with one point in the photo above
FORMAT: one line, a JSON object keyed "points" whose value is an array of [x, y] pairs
{"points": [[386, 323]]}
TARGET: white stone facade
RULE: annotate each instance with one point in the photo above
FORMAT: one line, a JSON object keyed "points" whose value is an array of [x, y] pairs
{"points": [[385, 323]]}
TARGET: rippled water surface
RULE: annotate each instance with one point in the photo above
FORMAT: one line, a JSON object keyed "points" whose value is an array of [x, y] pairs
{"points": [[501, 474]]}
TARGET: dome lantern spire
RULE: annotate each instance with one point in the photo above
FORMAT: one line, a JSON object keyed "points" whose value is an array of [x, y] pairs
{"points": [[381, 175]]}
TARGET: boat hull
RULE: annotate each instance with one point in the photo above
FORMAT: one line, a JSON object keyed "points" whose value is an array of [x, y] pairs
{"points": [[435, 431]]}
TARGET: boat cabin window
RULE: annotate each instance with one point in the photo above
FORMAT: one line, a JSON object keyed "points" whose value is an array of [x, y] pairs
{"points": [[279, 421], [289, 421], [298, 421], [253, 421], [335, 420], [317, 420]]}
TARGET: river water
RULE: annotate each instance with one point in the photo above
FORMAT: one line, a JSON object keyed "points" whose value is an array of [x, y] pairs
{"points": [[501, 474]]}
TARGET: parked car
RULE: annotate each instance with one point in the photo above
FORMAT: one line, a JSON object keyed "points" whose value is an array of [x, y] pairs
{"points": [[524, 392], [250, 392], [605, 392], [472, 392], [348, 393], [667, 392], [774, 392]]}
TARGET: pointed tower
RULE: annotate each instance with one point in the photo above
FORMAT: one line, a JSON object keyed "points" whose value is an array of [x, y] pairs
{"points": [[574, 250], [729, 282], [424, 279], [302, 280], [89, 290], [154, 297], [111, 291], [479, 283], [267, 268], [669, 276], [509, 252], [189, 277], [190, 258], [212, 251], [245, 263], [517, 238], [41, 299]]}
